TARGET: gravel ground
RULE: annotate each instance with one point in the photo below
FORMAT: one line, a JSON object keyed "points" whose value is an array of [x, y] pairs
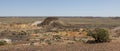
{"points": [[112, 46]]}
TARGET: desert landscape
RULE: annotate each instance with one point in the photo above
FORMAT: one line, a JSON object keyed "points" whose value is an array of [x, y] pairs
{"points": [[59, 25], [59, 33]]}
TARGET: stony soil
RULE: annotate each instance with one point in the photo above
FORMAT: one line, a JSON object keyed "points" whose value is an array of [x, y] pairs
{"points": [[112, 46]]}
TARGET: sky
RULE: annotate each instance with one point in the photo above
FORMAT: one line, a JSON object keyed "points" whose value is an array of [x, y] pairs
{"points": [[59, 7]]}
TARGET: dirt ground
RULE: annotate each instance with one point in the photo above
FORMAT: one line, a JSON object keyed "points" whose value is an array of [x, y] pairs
{"points": [[112, 46]]}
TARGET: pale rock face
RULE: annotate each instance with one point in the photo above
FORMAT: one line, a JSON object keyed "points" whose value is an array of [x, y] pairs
{"points": [[36, 23], [115, 31], [9, 41], [36, 44]]}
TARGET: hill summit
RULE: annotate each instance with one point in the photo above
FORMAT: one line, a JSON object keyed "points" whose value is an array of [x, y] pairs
{"points": [[52, 22]]}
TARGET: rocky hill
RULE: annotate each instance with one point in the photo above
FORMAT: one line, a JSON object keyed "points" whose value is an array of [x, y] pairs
{"points": [[52, 22]]}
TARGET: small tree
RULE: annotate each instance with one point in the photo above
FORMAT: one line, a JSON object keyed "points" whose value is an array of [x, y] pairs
{"points": [[100, 35]]}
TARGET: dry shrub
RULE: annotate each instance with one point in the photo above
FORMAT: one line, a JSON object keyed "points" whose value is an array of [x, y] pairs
{"points": [[100, 35]]}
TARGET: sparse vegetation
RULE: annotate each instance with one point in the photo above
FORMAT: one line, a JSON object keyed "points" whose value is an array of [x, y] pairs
{"points": [[56, 37], [2, 43]]}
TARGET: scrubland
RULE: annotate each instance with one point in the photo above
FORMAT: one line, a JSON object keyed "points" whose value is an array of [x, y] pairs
{"points": [[57, 33]]}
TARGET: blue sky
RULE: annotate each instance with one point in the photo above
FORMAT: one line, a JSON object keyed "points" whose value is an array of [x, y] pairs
{"points": [[59, 7]]}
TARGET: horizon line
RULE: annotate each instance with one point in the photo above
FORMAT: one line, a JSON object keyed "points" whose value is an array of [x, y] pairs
{"points": [[59, 16]]}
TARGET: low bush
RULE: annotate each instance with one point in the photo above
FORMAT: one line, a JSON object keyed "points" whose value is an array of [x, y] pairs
{"points": [[100, 35], [2, 43]]}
